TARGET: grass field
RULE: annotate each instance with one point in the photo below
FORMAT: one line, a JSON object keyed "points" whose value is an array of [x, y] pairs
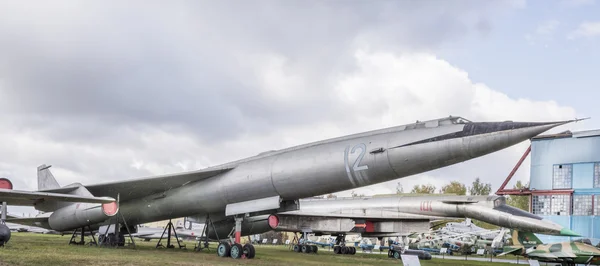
{"points": [[36, 249]]}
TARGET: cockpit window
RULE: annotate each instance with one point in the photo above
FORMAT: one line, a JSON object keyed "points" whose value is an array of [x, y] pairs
{"points": [[461, 120], [452, 120], [499, 201]]}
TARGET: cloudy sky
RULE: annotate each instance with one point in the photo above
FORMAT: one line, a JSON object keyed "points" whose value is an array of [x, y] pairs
{"points": [[110, 90]]}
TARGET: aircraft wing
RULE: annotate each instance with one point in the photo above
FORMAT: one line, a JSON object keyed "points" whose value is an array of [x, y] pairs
{"points": [[158, 234], [542, 256], [459, 201], [383, 215], [30, 198], [137, 188], [510, 251], [562, 254]]}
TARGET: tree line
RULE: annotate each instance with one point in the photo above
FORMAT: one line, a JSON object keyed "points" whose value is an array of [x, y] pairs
{"points": [[476, 188]]}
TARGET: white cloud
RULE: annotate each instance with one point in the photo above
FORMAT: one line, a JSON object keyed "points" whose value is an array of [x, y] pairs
{"points": [[585, 30], [577, 3], [544, 32], [163, 89], [421, 86]]}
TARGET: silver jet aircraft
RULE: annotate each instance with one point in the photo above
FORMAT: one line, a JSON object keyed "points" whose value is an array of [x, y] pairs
{"points": [[273, 181]]}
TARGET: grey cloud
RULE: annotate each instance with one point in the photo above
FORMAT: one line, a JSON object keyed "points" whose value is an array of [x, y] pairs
{"points": [[122, 63], [96, 86]]}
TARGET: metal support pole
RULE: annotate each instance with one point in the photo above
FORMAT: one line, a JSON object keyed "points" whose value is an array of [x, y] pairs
{"points": [[82, 235], [3, 217], [169, 227]]}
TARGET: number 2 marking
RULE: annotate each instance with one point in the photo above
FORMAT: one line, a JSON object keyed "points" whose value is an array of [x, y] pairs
{"points": [[352, 174]]}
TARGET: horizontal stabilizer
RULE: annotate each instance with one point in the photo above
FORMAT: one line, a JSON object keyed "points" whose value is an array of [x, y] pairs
{"points": [[27, 220], [39, 221], [510, 251], [30, 198]]}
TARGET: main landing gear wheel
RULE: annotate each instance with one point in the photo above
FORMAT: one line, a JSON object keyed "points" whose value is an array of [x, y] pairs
{"points": [[337, 250], [224, 249], [352, 251], [297, 248], [345, 250], [314, 248], [306, 249], [236, 251], [249, 251]]}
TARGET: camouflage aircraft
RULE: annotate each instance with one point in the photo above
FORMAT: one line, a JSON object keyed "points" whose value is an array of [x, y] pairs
{"points": [[566, 253]]}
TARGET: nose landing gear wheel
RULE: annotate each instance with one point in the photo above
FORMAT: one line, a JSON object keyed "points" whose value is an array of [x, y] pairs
{"points": [[224, 249]]}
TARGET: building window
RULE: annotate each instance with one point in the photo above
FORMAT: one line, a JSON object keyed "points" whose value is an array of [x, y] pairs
{"points": [[541, 204], [561, 205], [562, 176], [597, 175], [582, 204], [597, 204]]}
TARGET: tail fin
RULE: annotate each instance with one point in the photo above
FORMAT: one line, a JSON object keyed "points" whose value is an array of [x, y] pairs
{"points": [[45, 178], [525, 239]]}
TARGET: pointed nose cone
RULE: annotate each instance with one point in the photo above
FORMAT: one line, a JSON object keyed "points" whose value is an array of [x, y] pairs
{"points": [[568, 232], [471, 141], [484, 138]]}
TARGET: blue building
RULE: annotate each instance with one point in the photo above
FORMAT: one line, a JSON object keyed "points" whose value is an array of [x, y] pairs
{"points": [[565, 182]]}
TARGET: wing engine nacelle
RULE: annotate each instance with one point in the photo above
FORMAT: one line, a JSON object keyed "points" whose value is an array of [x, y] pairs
{"points": [[79, 215]]}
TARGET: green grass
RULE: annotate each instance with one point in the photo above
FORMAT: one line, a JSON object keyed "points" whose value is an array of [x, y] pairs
{"points": [[36, 249]]}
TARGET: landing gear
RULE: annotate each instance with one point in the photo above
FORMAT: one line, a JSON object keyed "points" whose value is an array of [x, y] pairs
{"points": [[249, 251], [224, 249], [234, 250], [302, 245], [341, 248]]}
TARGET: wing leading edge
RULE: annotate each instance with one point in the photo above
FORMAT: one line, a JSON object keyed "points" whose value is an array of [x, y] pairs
{"points": [[137, 188], [30, 198]]}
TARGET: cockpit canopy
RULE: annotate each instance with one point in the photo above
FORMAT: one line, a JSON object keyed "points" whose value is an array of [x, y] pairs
{"points": [[446, 121]]}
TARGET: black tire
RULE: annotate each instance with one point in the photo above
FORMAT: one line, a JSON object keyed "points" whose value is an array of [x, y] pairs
{"points": [[337, 250], [344, 250], [314, 249], [249, 251], [237, 251], [306, 249], [297, 248], [390, 253], [396, 255], [224, 249], [352, 251]]}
